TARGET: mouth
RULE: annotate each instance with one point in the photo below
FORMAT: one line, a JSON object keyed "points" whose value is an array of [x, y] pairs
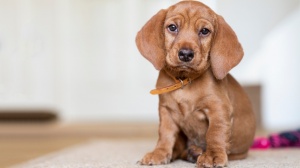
{"points": [[180, 68], [180, 71], [184, 67]]}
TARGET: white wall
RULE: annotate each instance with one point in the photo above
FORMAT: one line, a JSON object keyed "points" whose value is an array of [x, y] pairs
{"points": [[27, 53], [252, 20], [269, 32], [79, 56], [281, 76]]}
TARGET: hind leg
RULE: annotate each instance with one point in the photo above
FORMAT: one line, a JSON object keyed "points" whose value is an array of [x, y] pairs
{"points": [[237, 156], [193, 152], [186, 150]]}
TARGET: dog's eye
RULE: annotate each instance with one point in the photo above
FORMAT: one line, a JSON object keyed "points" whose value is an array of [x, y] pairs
{"points": [[204, 32], [172, 28]]}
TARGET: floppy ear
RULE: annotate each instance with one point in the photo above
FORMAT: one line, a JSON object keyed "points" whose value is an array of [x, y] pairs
{"points": [[150, 40], [226, 51]]}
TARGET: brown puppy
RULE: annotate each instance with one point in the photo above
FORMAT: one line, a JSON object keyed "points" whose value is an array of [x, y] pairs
{"points": [[210, 118]]}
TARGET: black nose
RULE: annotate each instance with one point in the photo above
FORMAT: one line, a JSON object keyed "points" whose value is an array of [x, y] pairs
{"points": [[186, 55]]}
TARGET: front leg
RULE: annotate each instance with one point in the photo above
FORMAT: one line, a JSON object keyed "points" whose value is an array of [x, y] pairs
{"points": [[217, 137], [168, 132]]}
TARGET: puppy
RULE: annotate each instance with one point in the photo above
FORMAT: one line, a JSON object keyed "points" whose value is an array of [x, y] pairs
{"points": [[205, 116]]}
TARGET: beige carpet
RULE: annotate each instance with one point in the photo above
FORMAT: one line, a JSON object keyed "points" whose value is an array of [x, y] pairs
{"points": [[125, 154]]}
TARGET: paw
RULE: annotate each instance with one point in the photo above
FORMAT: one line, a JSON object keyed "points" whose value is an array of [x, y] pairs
{"points": [[156, 157], [212, 159], [193, 153]]}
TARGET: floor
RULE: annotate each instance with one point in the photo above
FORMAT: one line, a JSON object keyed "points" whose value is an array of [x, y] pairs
{"points": [[20, 142], [125, 154]]}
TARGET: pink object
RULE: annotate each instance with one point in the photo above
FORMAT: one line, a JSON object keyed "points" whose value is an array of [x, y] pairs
{"points": [[261, 143]]}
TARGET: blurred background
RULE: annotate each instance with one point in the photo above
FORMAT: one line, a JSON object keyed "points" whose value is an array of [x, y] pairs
{"points": [[77, 59], [70, 71]]}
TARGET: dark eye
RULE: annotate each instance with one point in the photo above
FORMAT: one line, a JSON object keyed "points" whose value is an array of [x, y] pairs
{"points": [[204, 32], [172, 28]]}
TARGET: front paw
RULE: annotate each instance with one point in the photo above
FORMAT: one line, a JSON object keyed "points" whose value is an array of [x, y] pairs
{"points": [[212, 159], [157, 157]]}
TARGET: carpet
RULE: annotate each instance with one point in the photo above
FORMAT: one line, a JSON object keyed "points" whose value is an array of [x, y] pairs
{"points": [[125, 154]]}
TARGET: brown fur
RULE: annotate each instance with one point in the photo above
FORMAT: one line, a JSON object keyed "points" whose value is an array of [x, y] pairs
{"points": [[211, 119]]}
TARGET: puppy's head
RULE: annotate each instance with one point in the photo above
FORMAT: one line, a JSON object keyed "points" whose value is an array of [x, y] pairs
{"points": [[187, 39]]}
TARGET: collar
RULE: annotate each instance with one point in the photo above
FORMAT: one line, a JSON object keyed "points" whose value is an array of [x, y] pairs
{"points": [[179, 83]]}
